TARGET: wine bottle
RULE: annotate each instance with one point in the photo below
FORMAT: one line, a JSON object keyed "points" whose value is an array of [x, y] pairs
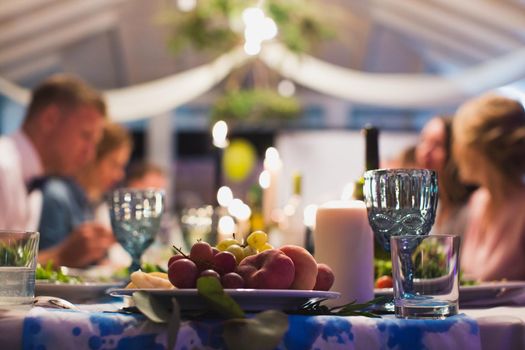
{"points": [[371, 134]]}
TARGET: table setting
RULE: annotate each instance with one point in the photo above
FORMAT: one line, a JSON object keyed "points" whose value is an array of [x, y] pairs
{"points": [[274, 308]]}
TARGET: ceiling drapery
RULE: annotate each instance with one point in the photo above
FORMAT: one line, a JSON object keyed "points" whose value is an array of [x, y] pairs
{"points": [[381, 90]]}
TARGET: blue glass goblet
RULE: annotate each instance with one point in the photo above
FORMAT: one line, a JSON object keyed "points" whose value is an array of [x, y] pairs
{"points": [[135, 219]]}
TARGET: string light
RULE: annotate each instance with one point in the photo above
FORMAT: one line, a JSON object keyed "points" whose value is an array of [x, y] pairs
{"points": [[186, 5], [224, 196], [219, 133], [257, 28]]}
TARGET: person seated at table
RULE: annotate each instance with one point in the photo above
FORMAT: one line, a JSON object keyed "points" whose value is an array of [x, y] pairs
{"points": [[142, 175], [107, 170], [69, 202], [60, 131], [146, 175], [489, 146], [434, 151]]}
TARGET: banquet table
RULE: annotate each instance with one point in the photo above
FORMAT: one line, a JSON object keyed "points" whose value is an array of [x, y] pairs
{"points": [[99, 326]]}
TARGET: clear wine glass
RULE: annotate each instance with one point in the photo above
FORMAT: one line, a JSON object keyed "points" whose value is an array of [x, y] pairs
{"points": [[135, 219], [400, 202]]}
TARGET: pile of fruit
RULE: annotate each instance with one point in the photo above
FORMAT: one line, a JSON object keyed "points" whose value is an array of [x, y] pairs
{"points": [[250, 264]]}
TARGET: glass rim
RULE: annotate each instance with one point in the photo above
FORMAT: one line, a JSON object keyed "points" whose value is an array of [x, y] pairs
{"points": [[18, 232], [437, 235], [138, 190], [382, 171]]}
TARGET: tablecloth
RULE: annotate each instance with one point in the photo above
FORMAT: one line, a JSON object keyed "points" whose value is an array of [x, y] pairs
{"points": [[55, 329], [91, 328]]}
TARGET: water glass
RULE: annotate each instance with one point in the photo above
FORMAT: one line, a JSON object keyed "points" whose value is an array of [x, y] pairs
{"points": [[425, 271], [18, 257]]}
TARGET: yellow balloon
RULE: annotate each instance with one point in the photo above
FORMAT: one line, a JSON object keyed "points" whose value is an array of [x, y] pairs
{"points": [[239, 160]]}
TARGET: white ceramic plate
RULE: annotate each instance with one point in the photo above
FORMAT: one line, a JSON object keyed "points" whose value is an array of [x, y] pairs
{"points": [[74, 292], [248, 299], [479, 291]]}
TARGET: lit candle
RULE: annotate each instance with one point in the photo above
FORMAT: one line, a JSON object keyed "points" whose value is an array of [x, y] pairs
{"points": [[272, 169], [343, 240]]}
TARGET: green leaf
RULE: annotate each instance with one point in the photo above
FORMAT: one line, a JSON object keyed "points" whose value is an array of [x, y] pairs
{"points": [[264, 331], [154, 308], [211, 290]]}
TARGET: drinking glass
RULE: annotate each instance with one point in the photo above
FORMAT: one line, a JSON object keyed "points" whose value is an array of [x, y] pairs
{"points": [[18, 255], [427, 286], [400, 202], [135, 219]]}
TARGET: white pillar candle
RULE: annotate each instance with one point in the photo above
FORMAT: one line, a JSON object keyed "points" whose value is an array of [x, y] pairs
{"points": [[343, 239]]}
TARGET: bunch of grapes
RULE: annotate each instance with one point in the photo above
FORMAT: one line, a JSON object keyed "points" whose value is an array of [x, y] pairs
{"points": [[256, 242], [219, 262], [203, 260]]}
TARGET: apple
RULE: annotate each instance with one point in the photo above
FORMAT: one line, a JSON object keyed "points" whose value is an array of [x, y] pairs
{"points": [[325, 277], [271, 269], [305, 266]]}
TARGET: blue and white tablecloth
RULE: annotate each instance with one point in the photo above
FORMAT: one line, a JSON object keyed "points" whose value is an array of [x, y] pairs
{"points": [[46, 329]]}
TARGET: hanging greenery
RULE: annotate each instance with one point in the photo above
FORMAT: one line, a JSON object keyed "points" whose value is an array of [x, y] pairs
{"points": [[217, 26], [254, 106]]}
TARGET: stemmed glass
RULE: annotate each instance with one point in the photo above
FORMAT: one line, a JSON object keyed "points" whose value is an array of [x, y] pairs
{"points": [[135, 219], [400, 202]]}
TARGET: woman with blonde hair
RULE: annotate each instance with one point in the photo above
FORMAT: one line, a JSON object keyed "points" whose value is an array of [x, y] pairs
{"points": [[489, 147]]}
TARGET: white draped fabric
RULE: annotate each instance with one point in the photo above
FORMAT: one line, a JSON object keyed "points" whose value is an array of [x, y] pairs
{"points": [[395, 90], [381, 90]]}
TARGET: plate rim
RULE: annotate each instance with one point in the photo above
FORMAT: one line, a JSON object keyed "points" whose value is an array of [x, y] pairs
{"points": [[482, 286], [234, 292]]}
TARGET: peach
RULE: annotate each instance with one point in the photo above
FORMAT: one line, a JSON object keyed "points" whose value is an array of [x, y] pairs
{"points": [[305, 266], [325, 277], [271, 269]]}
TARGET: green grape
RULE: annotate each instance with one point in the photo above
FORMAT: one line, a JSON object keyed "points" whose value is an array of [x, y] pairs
{"points": [[257, 239], [236, 250], [266, 246], [249, 250], [224, 244]]}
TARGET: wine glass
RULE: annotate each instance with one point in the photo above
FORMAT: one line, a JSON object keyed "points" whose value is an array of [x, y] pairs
{"points": [[400, 202], [135, 219]]}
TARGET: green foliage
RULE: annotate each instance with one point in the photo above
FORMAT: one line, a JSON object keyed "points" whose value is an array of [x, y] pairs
{"points": [[211, 290], [382, 268], [316, 307], [54, 275], [215, 25], [255, 106]]}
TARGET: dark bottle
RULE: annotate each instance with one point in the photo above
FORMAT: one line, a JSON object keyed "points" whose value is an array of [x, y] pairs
{"points": [[371, 134]]}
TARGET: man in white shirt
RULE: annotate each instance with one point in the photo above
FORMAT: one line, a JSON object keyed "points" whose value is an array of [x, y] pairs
{"points": [[62, 126]]}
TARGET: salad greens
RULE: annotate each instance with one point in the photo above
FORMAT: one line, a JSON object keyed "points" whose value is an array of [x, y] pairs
{"points": [[51, 274]]}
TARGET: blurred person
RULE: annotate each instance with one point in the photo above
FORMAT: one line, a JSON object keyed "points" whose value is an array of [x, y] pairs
{"points": [[489, 133], [434, 151], [61, 128], [142, 175], [146, 175], [405, 159], [71, 201], [107, 170]]}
